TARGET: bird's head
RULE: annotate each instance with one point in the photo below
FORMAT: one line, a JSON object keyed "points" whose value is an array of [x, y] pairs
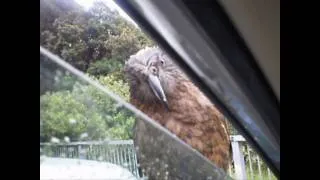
{"points": [[152, 76]]}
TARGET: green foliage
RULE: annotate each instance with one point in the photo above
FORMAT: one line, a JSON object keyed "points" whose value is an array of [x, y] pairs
{"points": [[231, 129], [85, 109], [104, 67], [97, 41], [64, 115], [121, 126], [127, 42], [115, 85], [83, 38]]}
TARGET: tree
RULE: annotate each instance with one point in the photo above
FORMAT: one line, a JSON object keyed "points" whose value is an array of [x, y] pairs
{"points": [[86, 110], [83, 38], [97, 41], [104, 67]]}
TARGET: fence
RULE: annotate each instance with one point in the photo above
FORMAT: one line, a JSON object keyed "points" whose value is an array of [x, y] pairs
{"points": [[246, 163], [117, 152]]}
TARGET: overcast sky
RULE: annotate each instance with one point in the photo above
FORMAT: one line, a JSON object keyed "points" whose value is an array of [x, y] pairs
{"points": [[110, 3]]}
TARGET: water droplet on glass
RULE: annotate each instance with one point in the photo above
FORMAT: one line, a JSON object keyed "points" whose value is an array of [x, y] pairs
{"points": [[108, 117], [83, 135], [72, 121], [126, 164], [54, 140], [67, 139]]}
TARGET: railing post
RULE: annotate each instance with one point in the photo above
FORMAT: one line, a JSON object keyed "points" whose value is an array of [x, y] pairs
{"points": [[80, 152], [238, 159]]}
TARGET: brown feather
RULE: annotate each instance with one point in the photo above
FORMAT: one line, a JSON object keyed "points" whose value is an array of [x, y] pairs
{"points": [[194, 119], [191, 116]]}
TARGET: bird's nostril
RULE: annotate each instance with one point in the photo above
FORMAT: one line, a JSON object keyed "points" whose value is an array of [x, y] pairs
{"points": [[154, 70]]}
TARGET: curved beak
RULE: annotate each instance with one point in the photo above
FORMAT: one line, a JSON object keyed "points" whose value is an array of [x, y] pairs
{"points": [[157, 89]]}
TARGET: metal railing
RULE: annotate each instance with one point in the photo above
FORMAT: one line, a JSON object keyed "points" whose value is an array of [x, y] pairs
{"points": [[117, 152], [246, 163]]}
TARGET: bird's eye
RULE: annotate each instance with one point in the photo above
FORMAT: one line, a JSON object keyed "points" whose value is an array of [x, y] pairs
{"points": [[162, 61]]}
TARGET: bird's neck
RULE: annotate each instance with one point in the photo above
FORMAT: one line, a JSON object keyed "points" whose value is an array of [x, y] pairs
{"points": [[154, 108]]}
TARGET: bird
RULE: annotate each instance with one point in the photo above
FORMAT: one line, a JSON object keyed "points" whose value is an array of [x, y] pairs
{"points": [[162, 91]]}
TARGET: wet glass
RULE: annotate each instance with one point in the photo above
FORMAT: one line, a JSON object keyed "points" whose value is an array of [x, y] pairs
{"points": [[85, 115], [97, 126]]}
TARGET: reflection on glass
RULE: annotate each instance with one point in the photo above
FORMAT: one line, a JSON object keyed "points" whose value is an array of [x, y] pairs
{"points": [[80, 121], [83, 122]]}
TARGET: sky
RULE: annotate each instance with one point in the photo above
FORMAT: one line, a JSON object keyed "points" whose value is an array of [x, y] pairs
{"points": [[86, 4]]}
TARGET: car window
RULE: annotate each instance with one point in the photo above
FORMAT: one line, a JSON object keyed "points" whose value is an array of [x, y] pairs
{"points": [[86, 107]]}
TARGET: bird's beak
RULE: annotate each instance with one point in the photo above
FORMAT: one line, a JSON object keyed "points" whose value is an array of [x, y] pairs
{"points": [[157, 89]]}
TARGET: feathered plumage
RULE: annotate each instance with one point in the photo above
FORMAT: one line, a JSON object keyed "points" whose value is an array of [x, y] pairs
{"points": [[163, 92]]}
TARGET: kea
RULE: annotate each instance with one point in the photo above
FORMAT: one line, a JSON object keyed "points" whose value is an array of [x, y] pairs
{"points": [[161, 90]]}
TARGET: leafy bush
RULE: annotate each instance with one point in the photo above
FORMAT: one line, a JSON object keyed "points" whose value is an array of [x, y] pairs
{"points": [[104, 67], [86, 110]]}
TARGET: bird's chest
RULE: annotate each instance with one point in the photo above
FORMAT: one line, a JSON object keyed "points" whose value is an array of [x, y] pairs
{"points": [[178, 122], [156, 113], [182, 109]]}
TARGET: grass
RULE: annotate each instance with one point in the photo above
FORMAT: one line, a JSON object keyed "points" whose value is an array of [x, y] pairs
{"points": [[256, 176]]}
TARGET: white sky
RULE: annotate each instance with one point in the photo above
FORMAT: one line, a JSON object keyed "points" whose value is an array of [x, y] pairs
{"points": [[110, 3]]}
